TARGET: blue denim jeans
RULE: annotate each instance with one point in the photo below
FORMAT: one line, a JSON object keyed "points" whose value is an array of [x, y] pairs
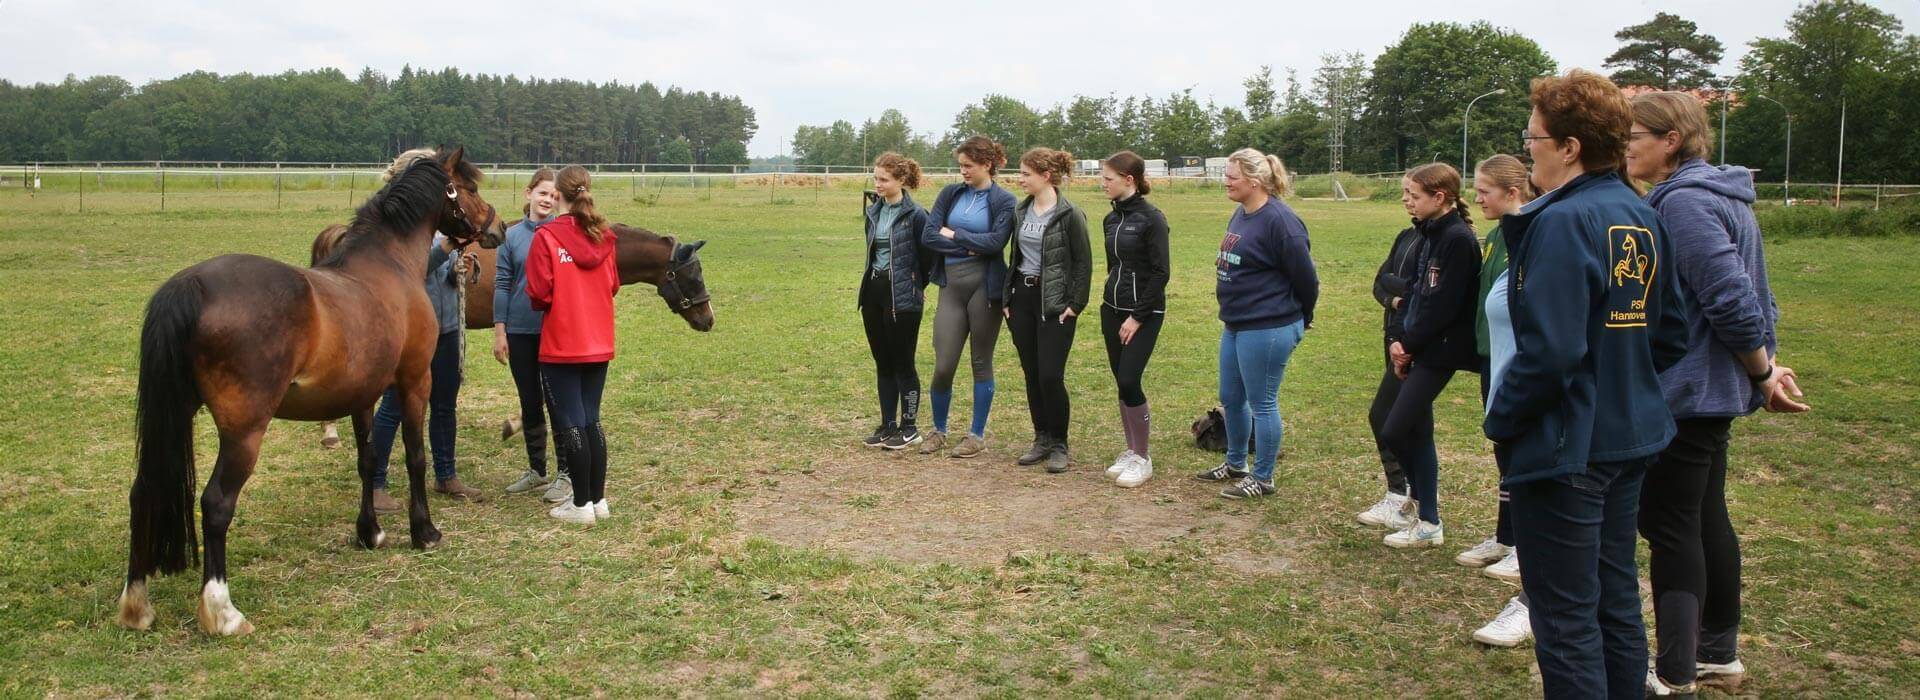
{"points": [[1252, 363], [440, 414], [1576, 536]]}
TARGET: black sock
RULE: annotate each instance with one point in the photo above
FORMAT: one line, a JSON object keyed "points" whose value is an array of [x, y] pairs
{"points": [[599, 441]]}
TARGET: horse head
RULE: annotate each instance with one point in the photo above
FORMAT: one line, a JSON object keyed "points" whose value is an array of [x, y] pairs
{"points": [[684, 285], [468, 217]]}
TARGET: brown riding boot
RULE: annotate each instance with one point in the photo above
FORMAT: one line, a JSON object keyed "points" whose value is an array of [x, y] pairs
{"points": [[383, 502], [458, 491]]}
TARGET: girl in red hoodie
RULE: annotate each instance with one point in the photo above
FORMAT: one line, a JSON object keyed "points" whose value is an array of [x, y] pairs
{"points": [[572, 276]]}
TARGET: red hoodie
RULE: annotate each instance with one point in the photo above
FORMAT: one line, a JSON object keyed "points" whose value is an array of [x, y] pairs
{"points": [[573, 281]]}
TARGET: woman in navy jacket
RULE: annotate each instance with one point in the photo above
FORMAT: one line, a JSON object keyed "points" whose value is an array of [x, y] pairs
{"points": [[967, 232]]}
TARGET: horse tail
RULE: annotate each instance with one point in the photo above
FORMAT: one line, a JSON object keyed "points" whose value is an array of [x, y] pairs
{"points": [[163, 531]]}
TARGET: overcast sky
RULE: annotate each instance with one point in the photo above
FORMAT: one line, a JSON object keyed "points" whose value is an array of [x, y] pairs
{"points": [[798, 62]]}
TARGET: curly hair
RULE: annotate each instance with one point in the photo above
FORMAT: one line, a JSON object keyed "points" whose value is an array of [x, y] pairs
{"points": [[984, 151], [1056, 164], [902, 168], [1588, 108]]}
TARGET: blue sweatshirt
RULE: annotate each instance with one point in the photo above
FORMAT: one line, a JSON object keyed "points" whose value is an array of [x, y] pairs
{"points": [[510, 303], [1596, 318], [442, 287], [1264, 273], [1708, 212], [989, 243]]}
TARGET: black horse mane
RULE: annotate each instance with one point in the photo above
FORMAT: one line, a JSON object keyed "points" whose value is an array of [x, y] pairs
{"points": [[404, 203]]}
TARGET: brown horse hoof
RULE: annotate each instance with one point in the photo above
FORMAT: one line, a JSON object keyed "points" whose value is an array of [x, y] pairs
{"points": [[509, 427], [136, 611], [427, 540], [331, 443], [216, 613]]}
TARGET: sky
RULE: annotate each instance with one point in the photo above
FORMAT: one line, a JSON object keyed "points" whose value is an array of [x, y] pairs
{"points": [[801, 63]]}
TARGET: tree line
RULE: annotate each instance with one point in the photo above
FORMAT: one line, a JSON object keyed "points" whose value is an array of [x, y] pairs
{"points": [[1406, 105], [324, 115]]}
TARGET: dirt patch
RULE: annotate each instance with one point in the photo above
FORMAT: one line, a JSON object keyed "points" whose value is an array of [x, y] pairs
{"points": [[926, 509]]}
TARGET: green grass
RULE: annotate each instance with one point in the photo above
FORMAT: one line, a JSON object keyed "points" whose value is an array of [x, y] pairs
{"points": [[689, 591]]}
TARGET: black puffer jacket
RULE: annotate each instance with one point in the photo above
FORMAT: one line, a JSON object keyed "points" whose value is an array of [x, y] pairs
{"points": [[1395, 279], [1137, 258], [1066, 259], [908, 260], [1440, 315]]}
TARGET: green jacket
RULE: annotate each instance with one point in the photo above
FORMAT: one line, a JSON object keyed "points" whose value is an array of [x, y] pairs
{"points": [[1493, 261], [1066, 259]]}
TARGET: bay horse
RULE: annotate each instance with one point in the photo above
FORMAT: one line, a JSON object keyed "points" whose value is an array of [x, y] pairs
{"points": [[254, 339], [642, 256]]}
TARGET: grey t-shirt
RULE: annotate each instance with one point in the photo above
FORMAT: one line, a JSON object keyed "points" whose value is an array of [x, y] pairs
{"points": [[1031, 230]]}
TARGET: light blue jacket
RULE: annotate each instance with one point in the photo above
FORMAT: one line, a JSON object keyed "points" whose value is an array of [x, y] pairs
{"points": [[510, 303]]}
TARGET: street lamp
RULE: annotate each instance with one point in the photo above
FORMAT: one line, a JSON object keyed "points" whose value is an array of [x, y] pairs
{"points": [[1726, 94], [1786, 198], [1463, 129]]}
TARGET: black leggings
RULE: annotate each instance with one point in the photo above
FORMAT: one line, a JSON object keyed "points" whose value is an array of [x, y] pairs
{"points": [[1129, 361], [1408, 433], [523, 359], [1383, 398], [575, 392], [891, 338], [1693, 553], [1043, 344]]}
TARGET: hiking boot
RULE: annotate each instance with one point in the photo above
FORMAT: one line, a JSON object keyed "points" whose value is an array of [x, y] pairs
{"points": [[561, 490], [1421, 534], [1042, 447], [1485, 554], [1511, 628], [1247, 487], [383, 502], [1225, 472], [529, 481], [879, 436], [905, 437], [1386, 513], [933, 442], [1058, 460], [459, 491], [1139, 470], [970, 446]]}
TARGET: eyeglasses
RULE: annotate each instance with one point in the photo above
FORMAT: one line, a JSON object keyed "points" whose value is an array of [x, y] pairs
{"points": [[1527, 138]]}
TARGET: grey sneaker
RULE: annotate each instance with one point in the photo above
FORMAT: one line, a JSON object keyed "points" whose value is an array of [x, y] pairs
{"points": [[529, 481], [561, 490], [970, 446], [1058, 460], [1037, 453], [1248, 487], [933, 442], [1225, 472]]}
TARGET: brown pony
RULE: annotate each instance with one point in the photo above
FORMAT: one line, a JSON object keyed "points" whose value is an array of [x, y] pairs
{"points": [[254, 339]]}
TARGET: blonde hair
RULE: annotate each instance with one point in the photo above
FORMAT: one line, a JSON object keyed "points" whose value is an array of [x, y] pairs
{"points": [[1507, 172], [1663, 112], [405, 159], [1264, 168], [574, 183], [1056, 164]]}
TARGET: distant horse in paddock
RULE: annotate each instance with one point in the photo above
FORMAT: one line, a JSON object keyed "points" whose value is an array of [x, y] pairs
{"points": [[673, 268], [254, 339]]}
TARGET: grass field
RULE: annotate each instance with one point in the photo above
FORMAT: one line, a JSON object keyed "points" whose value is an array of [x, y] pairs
{"points": [[756, 549]]}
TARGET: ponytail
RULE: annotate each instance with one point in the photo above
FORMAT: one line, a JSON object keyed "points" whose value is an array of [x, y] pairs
{"points": [[1263, 168], [575, 188]]}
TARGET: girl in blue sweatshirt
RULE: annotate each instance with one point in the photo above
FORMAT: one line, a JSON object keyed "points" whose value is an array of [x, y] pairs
{"points": [[1266, 286]]}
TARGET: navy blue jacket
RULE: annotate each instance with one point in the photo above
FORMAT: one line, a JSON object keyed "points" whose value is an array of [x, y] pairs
{"points": [[989, 244], [1264, 273], [1439, 320], [1596, 317], [908, 261]]}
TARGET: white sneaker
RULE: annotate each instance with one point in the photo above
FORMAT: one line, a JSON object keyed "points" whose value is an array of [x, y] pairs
{"points": [[1120, 463], [568, 512], [1420, 534], [1728, 674], [1483, 554], [1389, 513], [1659, 688], [1508, 568], [1510, 628], [1139, 470], [600, 509], [528, 481]]}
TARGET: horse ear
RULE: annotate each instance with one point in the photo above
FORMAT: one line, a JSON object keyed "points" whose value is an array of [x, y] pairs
{"points": [[453, 157], [697, 244]]}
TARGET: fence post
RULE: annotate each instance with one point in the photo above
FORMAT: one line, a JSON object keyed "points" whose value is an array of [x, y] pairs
{"points": [[163, 186], [276, 186], [352, 177], [82, 177]]}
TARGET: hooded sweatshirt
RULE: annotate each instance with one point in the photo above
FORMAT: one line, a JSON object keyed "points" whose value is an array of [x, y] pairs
{"points": [[1708, 213], [573, 280]]}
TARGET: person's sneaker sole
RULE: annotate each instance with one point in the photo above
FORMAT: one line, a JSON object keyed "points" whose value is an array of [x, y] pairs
{"points": [[1500, 575], [902, 446], [1416, 544], [1492, 641]]}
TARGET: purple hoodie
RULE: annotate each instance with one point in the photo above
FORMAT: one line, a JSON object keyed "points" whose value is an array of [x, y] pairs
{"points": [[1708, 212]]}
